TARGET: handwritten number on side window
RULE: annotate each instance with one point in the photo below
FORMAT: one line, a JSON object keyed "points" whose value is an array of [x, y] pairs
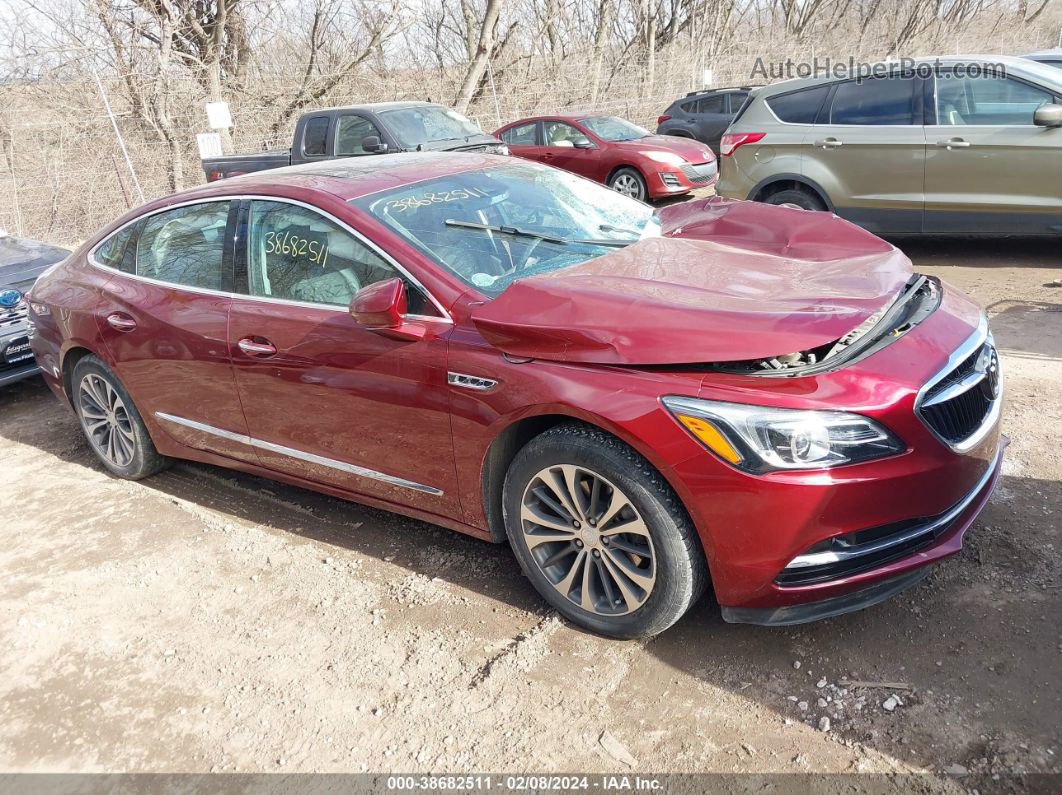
{"points": [[296, 246]]}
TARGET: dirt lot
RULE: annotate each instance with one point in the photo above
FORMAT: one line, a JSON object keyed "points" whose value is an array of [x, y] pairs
{"points": [[209, 621]]}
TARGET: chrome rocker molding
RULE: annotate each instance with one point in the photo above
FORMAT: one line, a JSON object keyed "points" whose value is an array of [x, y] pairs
{"points": [[299, 454], [929, 529]]}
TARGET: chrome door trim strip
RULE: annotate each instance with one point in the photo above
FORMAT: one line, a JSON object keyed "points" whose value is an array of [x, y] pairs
{"points": [[300, 454]]}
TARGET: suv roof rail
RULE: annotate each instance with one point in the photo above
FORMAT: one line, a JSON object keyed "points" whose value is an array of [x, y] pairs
{"points": [[722, 88]]}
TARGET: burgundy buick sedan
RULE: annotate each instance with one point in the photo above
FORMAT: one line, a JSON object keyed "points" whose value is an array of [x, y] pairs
{"points": [[638, 402], [614, 152]]}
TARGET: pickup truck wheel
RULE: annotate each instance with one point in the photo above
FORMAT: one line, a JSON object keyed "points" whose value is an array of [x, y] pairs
{"points": [[600, 533], [798, 197], [630, 183], [113, 427]]}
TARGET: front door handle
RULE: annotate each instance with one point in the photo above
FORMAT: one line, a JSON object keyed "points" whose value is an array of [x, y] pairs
{"points": [[954, 143], [829, 143], [120, 321], [252, 347]]}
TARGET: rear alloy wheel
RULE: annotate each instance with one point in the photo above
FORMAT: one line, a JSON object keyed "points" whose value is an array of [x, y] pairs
{"points": [[600, 534], [111, 423], [630, 183]]}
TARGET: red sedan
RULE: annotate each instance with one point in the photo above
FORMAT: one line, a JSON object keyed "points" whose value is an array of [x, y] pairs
{"points": [[614, 152], [635, 401]]}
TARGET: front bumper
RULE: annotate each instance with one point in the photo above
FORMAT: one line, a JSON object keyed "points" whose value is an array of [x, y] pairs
{"points": [[16, 358], [670, 181], [936, 539]]}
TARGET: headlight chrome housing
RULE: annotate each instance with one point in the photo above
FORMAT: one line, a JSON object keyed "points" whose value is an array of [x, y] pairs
{"points": [[760, 439]]}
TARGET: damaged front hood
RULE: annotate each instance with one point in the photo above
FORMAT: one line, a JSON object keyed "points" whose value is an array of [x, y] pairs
{"points": [[737, 281]]}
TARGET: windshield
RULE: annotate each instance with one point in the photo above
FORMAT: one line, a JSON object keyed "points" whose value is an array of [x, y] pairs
{"points": [[427, 124], [613, 128], [499, 224]]}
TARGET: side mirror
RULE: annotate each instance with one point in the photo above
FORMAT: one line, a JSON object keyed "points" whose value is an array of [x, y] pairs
{"points": [[1049, 115], [582, 142], [381, 307], [372, 143]]}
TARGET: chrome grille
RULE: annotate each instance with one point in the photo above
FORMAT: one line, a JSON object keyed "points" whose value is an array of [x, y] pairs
{"points": [[963, 400], [16, 316], [699, 173]]}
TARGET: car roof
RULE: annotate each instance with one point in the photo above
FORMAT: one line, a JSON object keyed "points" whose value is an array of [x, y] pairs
{"points": [[378, 106], [350, 177]]}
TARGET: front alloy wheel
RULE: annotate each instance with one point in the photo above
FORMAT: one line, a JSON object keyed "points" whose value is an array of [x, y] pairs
{"points": [[588, 540]]}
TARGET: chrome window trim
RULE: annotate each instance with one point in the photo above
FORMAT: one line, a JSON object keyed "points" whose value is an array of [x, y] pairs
{"points": [[967, 348], [291, 452], [444, 317]]}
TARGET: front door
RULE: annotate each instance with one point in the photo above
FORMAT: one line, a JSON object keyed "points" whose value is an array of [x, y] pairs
{"points": [[988, 167], [869, 153], [560, 150], [164, 323], [325, 399]]}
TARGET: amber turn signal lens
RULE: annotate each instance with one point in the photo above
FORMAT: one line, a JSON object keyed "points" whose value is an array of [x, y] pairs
{"points": [[712, 438]]}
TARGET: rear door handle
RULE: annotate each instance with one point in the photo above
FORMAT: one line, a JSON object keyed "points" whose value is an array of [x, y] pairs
{"points": [[120, 322], [954, 143], [829, 143], [251, 347]]}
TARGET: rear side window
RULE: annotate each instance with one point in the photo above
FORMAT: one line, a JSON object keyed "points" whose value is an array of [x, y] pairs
{"points": [[877, 101], [799, 107], [713, 104], [521, 135], [115, 252], [313, 142], [185, 246]]}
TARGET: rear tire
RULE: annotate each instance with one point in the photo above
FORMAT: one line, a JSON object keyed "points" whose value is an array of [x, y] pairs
{"points": [[112, 425], [798, 197], [630, 183], [600, 534]]}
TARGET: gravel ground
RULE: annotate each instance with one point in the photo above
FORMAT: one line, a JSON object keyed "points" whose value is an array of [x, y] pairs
{"points": [[205, 620]]}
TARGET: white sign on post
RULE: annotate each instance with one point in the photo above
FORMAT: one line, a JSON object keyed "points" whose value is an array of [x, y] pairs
{"points": [[218, 116], [209, 145], [707, 79]]}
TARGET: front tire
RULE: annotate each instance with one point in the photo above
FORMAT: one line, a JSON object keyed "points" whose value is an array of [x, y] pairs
{"points": [[630, 183], [600, 534], [112, 425]]}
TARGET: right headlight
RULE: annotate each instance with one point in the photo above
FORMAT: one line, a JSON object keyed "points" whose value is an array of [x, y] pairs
{"points": [[760, 439]]}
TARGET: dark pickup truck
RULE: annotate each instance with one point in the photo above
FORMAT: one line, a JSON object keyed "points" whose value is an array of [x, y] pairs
{"points": [[364, 130]]}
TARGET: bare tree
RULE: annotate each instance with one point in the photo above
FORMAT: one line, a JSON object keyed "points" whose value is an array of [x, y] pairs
{"points": [[477, 65]]}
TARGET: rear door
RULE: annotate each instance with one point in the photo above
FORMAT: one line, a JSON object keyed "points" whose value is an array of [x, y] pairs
{"points": [[868, 153], [164, 323], [712, 117], [524, 140], [328, 400], [988, 167]]}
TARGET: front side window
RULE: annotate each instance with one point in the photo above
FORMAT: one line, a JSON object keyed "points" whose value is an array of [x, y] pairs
{"points": [[316, 136], [116, 252], [876, 101], [185, 246], [521, 135], [987, 100], [495, 225], [299, 255], [428, 123], [350, 132], [613, 128], [557, 133], [799, 107]]}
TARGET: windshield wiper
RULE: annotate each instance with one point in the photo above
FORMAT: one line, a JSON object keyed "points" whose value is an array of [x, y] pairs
{"points": [[518, 232], [611, 228]]}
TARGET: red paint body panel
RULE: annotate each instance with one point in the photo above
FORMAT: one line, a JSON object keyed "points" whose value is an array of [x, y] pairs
{"points": [[341, 392], [599, 162]]}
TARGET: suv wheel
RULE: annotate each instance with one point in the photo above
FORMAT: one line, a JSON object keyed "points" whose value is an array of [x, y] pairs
{"points": [[798, 197], [600, 533], [112, 425], [630, 183]]}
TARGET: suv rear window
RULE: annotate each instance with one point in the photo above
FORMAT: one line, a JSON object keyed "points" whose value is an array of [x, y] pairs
{"points": [[799, 107], [883, 100]]}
